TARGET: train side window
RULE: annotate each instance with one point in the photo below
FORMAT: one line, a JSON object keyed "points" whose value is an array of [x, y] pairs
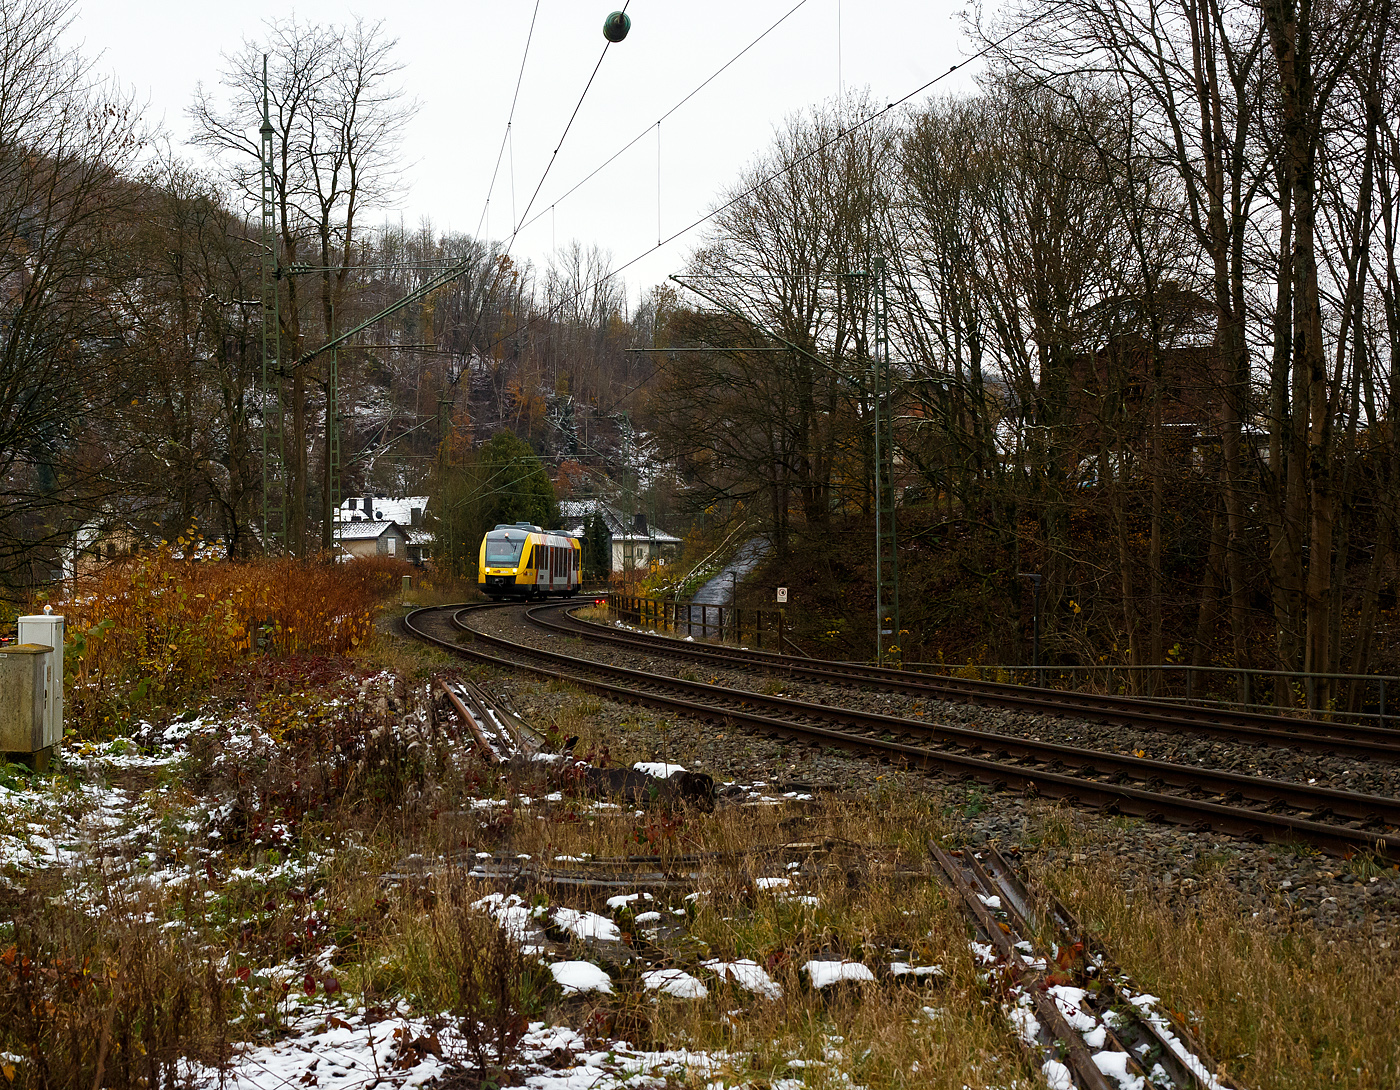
{"points": [[530, 558]]}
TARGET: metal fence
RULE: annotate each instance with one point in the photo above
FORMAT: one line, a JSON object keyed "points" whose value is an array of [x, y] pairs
{"points": [[759, 628]]}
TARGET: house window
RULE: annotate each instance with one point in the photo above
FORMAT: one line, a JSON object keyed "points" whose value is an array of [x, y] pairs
{"points": [[393, 547]]}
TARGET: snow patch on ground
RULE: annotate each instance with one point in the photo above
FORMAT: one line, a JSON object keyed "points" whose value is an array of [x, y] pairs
{"points": [[660, 769], [675, 982], [749, 975], [823, 974], [576, 977]]}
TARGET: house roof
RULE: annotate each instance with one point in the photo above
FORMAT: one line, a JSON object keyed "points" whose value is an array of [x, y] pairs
{"points": [[576, 513], [368, 531], [661, 537]]}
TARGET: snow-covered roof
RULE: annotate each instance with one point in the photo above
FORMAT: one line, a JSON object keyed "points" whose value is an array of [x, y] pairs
{"points": [[661, 537], [576, 513], [387, 508], [367, 531]]}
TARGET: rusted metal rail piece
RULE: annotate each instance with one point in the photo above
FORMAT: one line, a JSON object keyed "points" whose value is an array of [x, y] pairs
{"points": [[501, 737], [1138, 1020], [1045, 1034], [483, 743], [1079, 1018]]}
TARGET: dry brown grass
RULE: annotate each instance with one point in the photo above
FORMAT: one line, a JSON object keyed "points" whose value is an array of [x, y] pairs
{"points": [[877, 903], [100, 994], [1282, 1009]]}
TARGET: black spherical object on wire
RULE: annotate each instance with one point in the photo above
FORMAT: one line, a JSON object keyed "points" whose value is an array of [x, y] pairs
{"points": [[616, 26]]}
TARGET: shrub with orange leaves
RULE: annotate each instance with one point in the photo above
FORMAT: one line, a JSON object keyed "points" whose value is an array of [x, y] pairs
{"points": [[154, 629]]}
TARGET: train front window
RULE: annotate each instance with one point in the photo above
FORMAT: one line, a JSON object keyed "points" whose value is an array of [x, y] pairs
{"points": [[501, 553]]}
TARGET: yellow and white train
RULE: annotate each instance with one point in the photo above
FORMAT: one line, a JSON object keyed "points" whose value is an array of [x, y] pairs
{"points": [[519, 560]]}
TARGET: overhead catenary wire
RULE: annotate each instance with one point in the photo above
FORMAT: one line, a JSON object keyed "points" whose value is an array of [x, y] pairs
{"points": [[510, 120], [656, 124], [562, 137], [777, 174]]}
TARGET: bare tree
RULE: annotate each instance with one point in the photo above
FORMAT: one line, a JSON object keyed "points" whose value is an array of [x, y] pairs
{"points": [[807, 215], [67, 145], [336, 116]]}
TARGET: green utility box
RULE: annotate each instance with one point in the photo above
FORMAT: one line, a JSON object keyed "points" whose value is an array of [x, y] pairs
{"points": [[24, 669]]}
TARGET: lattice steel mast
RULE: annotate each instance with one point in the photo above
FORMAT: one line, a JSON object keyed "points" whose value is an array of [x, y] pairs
{"points": [[887, 632], [274, 505]]}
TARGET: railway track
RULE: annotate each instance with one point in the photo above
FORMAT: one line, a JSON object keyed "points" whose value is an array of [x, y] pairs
{"points": [[1340, 822], [1317, 736]]}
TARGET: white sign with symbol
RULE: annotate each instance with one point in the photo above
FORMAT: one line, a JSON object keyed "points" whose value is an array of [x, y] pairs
{"points": [[782, 594]]}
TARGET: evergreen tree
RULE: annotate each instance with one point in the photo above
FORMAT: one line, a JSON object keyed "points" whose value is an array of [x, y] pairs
{"points": [[597, 551], [504, 481]]}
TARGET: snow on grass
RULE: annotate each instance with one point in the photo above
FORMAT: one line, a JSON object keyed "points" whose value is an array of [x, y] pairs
{"points": [[622, 900], [512, 915], [919, 972], [587, 925], [749, 975], [823, 974], [675, 982]]}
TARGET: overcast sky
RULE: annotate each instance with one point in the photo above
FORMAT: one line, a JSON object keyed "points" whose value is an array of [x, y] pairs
{"points": [[460, 61]]}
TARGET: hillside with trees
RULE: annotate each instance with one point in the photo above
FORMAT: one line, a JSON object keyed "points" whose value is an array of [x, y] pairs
{"points": [[1144, 331]]}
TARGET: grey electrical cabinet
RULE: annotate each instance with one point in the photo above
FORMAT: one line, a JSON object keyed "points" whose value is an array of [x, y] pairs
{"points": [[24, 679], [47, 629]]}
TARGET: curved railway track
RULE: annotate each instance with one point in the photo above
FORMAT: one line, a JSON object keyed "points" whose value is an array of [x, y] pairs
{"points": [[1340, 822], [1352, 740]]}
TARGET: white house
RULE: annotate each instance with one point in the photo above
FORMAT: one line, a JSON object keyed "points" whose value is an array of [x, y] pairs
{"points": [[405, 511], [635, 544]]}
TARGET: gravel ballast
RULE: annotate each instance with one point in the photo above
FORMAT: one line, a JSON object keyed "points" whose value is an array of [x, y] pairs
{"points": [[1286, 886]]}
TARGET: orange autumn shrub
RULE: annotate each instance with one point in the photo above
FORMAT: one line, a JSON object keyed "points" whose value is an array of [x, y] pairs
{"points": [[151, 630]]}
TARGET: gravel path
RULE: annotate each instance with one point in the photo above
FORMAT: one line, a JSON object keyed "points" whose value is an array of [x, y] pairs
{"points": [[1292, 886]]}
